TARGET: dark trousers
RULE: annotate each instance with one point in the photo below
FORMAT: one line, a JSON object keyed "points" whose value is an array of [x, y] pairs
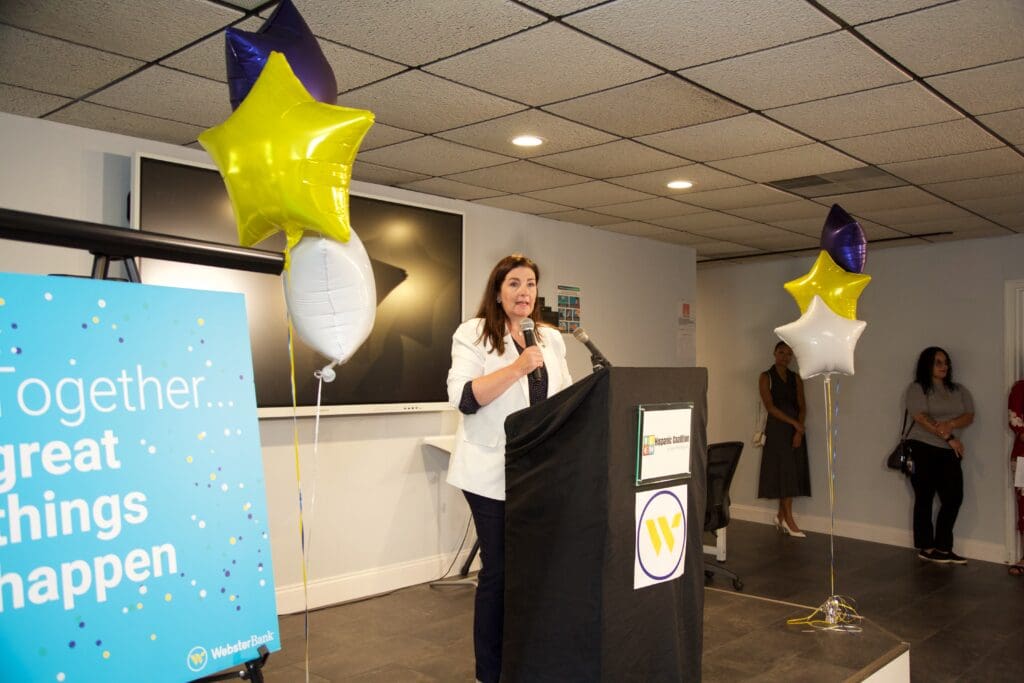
{"points": [[936, 471], [489, 610]]}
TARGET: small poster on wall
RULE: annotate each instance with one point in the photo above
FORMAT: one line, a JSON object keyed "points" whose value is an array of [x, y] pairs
{"points": [[569, 308], [133, 520]]}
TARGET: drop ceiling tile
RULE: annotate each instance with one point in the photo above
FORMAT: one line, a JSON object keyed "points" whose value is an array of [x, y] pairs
{"points": [[382, 175], [449, 188], [560, 63], [732, 137], [649, 106], [415, 33], [561, 7], [989, 162], [795, 162], [98, 117], [382, 135], [680, 33], [989, 230], [649, 209], [519, 177], [723, 249], [619, 158], [245, 4], [964, 222], [1006, 211], [805, 226], [898, 218], [740, 231], [920, 142], [1009, 124], [141, 29], [24, 102], [635, 228], [858, 203], [952, 36], [589, 195], [166, 93], [703, 178], [874, 231], [558, 134], [809, 70], [739, 197], [352, 68], [701, 221], [417, 101], [783, 241], [52, 66], [979, 188], [206, 58], [581, 217], [859, 11], [985, 90], [432, 156], [515, 202], [873, 111], [780, 212]]}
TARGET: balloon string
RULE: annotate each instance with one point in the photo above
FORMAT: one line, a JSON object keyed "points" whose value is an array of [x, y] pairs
{"points": [[830, 448]]}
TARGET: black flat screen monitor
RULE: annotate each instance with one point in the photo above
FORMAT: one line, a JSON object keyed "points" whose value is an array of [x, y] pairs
{"points": [[416, 253]]}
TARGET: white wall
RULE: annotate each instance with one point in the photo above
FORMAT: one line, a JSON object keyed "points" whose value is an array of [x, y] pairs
{"points": [[375, 499], [950, 295]]}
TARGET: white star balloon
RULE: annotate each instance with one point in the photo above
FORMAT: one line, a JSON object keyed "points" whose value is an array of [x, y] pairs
{"points": [[822, 340]]}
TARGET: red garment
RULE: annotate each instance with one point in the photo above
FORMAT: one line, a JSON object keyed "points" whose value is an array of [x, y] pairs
{"points": [[1016, 419]]}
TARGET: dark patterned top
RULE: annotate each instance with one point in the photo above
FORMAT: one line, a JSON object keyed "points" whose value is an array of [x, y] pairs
{"points": [[538, 389]]}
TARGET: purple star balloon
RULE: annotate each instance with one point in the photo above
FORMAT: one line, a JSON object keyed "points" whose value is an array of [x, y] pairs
{"points": [[843, 239], [286, 32]]}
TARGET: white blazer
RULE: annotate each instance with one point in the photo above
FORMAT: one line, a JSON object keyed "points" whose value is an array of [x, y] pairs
{"points": [[478, 459]]}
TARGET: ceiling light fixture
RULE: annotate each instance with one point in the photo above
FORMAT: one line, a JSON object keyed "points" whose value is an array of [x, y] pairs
{"points": [[680, 184], [527, 141]]}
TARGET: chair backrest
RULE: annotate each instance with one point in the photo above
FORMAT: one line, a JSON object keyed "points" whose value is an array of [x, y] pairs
{"points": [[722, 461]]}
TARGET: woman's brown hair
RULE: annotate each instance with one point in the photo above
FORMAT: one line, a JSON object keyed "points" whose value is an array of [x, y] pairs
{"points": [[490, 308]]}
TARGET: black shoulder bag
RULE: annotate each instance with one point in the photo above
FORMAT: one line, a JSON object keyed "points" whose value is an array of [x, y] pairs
{"points": [[901, 458]]}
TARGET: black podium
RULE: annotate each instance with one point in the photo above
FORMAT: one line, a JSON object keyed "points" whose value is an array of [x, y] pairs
{"points": [[571, 612]]}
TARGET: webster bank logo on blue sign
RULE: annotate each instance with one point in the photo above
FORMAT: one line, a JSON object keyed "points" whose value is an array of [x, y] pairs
{"points": [[133, 522]]}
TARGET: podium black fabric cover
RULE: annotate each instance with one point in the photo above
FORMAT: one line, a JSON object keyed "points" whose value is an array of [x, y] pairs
{"points": [[571, 613]]}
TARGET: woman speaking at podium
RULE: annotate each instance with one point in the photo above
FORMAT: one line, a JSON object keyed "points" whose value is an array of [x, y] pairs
{"points": [[501, 362]]}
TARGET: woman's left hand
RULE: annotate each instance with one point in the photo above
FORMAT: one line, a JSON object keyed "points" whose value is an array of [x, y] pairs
{"points": [[957, 447], [798, 438]]}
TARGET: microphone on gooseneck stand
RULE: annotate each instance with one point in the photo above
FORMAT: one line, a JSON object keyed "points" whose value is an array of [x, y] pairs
{"points": [[596, 357], [526, 325]]}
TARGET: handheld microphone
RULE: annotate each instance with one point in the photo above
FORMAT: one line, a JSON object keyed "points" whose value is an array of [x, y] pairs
{"points": [[596, 357], [526, 325]]}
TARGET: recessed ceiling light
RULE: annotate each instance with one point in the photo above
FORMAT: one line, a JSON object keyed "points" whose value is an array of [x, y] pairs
{"points": [[680, 184], [527, 141]]}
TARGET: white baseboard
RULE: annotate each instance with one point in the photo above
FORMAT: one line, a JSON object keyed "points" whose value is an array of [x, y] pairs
{"points": [[904, 538], [358, 585]]}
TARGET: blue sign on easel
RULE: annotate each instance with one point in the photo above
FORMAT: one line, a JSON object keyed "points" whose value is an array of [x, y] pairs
{"points": [[133, 519]]}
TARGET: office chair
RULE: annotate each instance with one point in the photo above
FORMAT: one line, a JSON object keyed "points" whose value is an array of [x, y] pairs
{"points": [[722, 460]]}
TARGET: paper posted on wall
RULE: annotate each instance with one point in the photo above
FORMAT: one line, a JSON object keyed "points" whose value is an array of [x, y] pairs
{"points": [[1018, 479]]}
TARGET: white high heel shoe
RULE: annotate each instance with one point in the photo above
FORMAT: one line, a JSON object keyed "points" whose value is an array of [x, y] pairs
{"points": [[789, 532]]}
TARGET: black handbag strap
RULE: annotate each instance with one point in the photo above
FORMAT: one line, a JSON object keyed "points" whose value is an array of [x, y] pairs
{"points": [[904, 430]]}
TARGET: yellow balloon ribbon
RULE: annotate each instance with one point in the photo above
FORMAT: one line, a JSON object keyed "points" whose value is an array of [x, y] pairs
{"points": [[286, 159], [836, 287]]}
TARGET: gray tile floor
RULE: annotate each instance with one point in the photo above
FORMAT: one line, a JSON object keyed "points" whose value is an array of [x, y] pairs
{"points": [[963, 623]]}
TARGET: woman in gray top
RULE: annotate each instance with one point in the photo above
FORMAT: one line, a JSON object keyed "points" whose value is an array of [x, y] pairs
{"points": [[940, 408]]}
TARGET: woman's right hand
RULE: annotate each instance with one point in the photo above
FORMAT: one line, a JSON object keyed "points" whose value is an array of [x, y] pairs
{"points": [[529, 360]]}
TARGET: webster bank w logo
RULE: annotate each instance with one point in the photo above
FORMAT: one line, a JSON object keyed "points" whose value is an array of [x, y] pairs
{"points": [[197, 658], [660, 535]]}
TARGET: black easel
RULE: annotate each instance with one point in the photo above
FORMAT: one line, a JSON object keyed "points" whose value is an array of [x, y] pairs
{"points": [[106, 244]]}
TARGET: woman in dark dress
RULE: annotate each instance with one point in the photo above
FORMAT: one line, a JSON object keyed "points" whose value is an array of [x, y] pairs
{"points": [[785, 472]]}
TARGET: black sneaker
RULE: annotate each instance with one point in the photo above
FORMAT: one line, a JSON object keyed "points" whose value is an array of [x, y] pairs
{"points": [[952, 557], [934, 556]]}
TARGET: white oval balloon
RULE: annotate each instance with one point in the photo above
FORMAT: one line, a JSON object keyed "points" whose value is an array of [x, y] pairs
{"points": [[331, 296]]}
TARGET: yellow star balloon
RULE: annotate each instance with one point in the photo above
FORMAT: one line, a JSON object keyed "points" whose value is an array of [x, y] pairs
{"points": [[836, 287], [286, 158]]}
